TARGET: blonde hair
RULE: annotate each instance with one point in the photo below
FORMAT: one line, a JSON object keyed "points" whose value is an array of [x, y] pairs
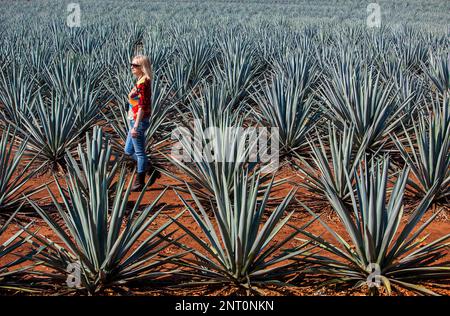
{"points": [[144, 61]]}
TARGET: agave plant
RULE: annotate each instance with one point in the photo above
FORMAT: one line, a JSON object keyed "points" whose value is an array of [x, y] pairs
{"points": [[409, 50], [62, 73], [212, 143], [356, 96], [7, 48], [198, 54], [238, 246], [97, 149], [179, 75], [426, 149], [332, 161], [90, 96], [79, 79], [286, 106], [50, 129], [191, 68], [302, 68], [409, 86], [158, 53], [119, 85], [237, 67], [211, 154], [13, 174], [439, 72], [85, 41], [266, 47], [110, 244], [212, 106], [17, 90], [378, 252], [123, 45], [57, 35], [282, 54], [40, 52]]}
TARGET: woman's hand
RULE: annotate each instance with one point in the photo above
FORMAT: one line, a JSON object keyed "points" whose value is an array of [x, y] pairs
{"points": [[132, 92], [134, 132]]}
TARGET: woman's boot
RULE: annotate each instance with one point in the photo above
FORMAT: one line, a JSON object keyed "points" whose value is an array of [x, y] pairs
{"points": [[153, 173], [139, 182]]}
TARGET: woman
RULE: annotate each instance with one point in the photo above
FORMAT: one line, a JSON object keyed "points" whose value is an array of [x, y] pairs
{"points": [[139, 117]]}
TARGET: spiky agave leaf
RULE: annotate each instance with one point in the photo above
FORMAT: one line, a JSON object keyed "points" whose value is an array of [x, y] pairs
{"points": [[87, 40], [179, 76], [124, 44], [61, 75], [333, 159], [198, 54], [80, 80], [50, 129], [376, 240], [355, 95], [192, 66], [111, 244], [17, 91], [158, 52], [39, 53], [13, 174], [214, 106], [119, 85], [439, 72], [410, 87], [162, 105], [289, 56], [98, 150], [410, 50], [238, 246], [210, 154], [426, 150], [237, 67], [90, 96], [300, 67], [213, 143], [283, 105]]}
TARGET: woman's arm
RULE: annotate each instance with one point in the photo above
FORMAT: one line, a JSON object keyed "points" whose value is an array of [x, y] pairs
{"points": [[139, 114]]}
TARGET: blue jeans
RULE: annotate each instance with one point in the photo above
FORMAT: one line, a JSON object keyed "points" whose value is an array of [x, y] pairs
{"points": [[135, 147]]}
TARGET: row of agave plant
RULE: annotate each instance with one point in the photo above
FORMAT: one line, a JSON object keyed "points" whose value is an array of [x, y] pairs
{"points": [[116, 245], [367, 126]]}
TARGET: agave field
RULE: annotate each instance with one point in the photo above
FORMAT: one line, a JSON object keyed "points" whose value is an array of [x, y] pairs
{"points": [[359, 203]]}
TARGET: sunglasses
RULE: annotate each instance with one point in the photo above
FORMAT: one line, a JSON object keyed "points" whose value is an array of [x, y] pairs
{"points": [[135, 65]]}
